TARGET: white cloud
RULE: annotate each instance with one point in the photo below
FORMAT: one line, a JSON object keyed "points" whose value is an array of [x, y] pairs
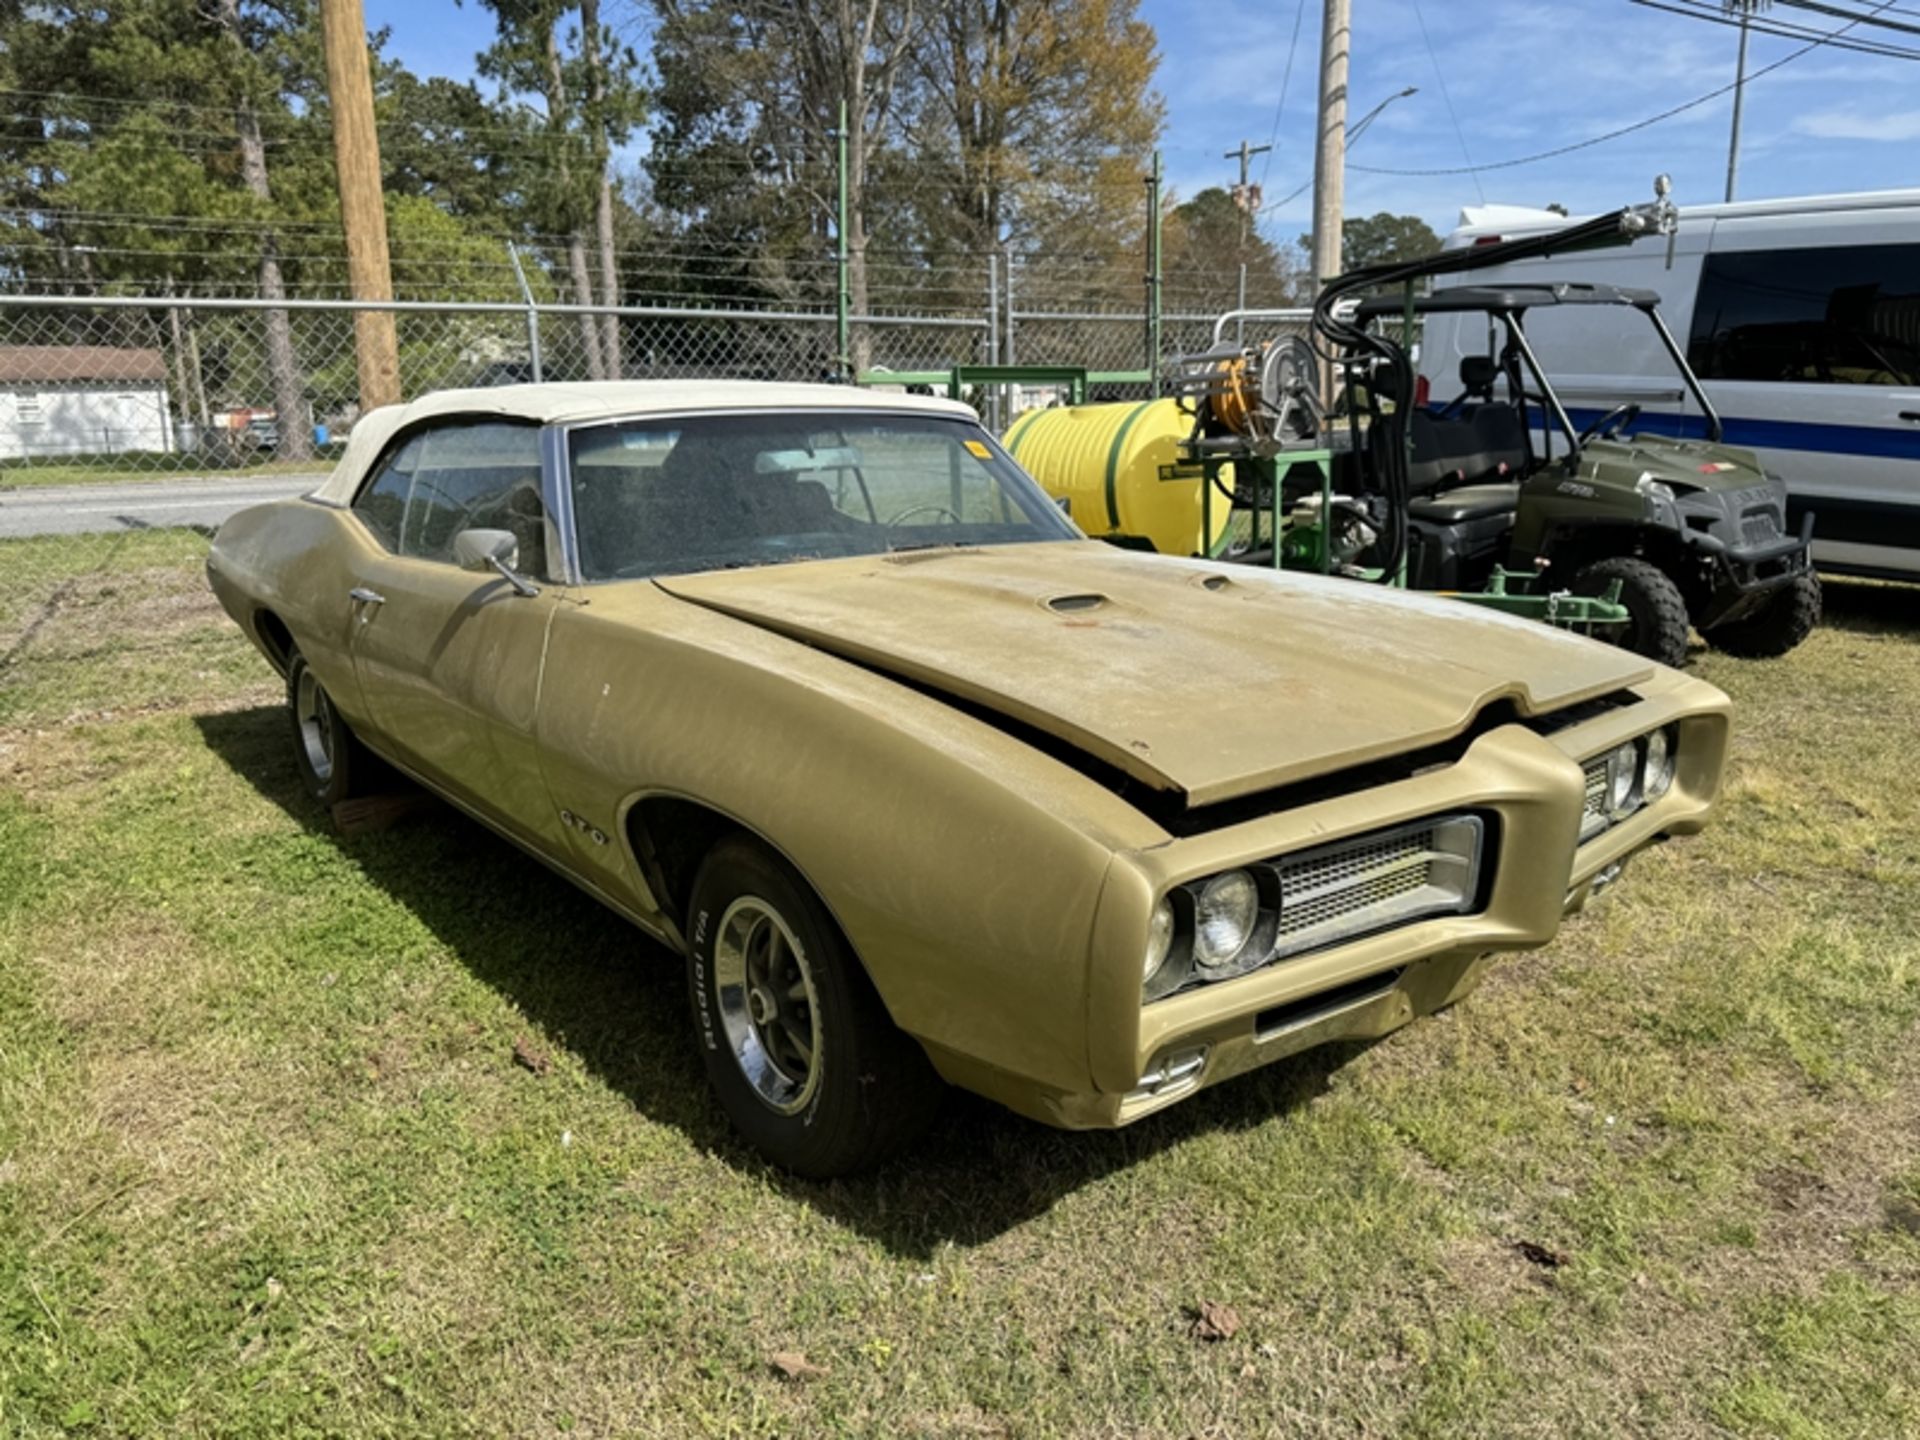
{"points": [[1852, 125]]}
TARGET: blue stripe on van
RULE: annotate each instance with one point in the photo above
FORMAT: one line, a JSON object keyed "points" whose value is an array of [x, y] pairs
{"points": [[1885, 442]]}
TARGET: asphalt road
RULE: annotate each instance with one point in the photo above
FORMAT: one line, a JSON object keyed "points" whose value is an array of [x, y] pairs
{"points": [[149, 504]]}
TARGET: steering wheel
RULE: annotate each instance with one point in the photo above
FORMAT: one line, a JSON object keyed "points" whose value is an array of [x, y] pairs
{"points": [[1611, 422], [922, 510]]}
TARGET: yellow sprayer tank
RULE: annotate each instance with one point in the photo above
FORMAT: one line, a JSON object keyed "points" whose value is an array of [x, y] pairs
{"points": [[1118, 467]]}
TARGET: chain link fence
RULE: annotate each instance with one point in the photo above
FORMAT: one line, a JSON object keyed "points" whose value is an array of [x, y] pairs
{"points": [[103, 390], [95, 390]]}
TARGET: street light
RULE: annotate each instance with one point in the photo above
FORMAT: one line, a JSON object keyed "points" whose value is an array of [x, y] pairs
{"points": [[1353, 134], [1353, 130]]}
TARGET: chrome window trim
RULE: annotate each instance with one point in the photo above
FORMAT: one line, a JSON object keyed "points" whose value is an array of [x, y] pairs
{"points": [[405, 436]]}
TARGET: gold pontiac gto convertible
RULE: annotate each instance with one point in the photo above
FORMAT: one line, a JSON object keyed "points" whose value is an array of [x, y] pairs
{"points": [[818, 687]]}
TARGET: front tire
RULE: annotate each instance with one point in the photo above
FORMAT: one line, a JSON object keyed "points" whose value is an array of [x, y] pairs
{"points": [[797, 1046], [334, 765], [1787, 618], [1657, 625]]}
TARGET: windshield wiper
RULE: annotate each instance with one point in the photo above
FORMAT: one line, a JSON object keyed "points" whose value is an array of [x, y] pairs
{"points": [[933, 545]]}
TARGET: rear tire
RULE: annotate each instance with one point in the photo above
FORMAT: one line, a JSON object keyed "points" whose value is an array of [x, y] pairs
{"points": [[334, 765], [797, 1046], [1788, 618], [1657, 625]]}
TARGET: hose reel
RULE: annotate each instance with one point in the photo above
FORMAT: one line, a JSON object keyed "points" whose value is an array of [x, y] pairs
{"points": [[1266, 396]]}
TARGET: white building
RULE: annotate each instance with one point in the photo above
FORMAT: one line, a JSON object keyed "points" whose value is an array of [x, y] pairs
{"points": [[74, 400]]}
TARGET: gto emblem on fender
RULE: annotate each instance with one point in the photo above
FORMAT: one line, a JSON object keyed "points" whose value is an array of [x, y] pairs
{"points": [[575, 822], [1574, 487]]}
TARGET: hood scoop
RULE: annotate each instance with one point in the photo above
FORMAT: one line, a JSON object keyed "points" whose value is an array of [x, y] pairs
{"points": [[1077, 604]]}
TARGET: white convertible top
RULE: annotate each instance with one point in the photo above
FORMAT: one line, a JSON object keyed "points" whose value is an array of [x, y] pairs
{"points": [[605, 400]]}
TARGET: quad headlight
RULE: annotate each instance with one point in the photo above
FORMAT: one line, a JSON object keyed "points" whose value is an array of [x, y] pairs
{"points": [[1627, 778], [1657, 777], [1223, 917], [1159, 941], [1623, 779]]}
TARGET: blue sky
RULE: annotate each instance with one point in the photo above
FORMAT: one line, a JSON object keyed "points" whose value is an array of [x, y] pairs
{"points": [[1523, 76]]}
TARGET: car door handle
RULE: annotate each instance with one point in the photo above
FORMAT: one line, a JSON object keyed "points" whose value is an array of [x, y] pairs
{"points": [[361, 595], [1913, 415]]}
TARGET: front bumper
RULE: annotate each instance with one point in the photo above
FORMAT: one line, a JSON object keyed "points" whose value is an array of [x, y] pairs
{"points": [[1742, 537], [1530, 787]]}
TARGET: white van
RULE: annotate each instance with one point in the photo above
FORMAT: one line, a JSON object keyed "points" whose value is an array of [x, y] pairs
{"points": [[1802, 319]]}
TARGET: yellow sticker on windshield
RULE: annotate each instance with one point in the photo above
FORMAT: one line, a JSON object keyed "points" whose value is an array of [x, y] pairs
{"points": [[978, 451]]}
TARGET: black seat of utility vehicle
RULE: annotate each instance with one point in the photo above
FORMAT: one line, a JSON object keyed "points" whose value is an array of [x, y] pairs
{"points": [[1488, 444], [1445, 452], [1456, 446], [1503, 438], [1468, 502]]}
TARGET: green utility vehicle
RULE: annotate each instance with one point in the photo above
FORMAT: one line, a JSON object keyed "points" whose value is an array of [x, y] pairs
{"points": [[1694, 532]]}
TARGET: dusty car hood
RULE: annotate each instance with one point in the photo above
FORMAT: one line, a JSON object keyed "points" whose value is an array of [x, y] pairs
{"points": [[1213, 680]]}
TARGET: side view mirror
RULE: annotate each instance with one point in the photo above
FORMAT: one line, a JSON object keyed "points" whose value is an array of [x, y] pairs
{"points": [[480, 549], [496, 550]]}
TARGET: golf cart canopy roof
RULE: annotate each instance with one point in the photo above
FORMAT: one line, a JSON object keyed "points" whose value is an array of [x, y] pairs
{"points": [[1507, 299]]}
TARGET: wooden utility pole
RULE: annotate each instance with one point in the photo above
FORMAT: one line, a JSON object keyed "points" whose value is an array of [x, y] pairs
{"points": [[1247, 197], [1330, 155], [363, 212]]}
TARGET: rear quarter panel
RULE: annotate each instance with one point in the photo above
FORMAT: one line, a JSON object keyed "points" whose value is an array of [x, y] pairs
{"points": [[294, 558]]}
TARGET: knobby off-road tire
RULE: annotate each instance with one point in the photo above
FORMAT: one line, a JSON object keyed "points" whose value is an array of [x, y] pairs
{"points": [[798, 1047], [1788, 618], [334, 765], [1657, 625]]}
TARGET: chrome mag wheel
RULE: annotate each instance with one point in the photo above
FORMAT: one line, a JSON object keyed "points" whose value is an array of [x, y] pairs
{"points": [[313, 714], [768, 1004]]}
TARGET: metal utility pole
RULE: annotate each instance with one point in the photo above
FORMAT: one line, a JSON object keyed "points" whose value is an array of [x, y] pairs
{"points": [[1247, 197], [1330, 154], [1745, 10], [843, 312], [363, 215], [1153, 277]]}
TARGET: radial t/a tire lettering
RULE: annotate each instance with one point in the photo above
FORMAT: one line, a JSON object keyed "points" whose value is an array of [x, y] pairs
{"points": [[797, 1045]]}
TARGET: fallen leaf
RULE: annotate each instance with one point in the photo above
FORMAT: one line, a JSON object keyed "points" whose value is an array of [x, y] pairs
{"points": [[795, 1366], [525, 1056], [1214, 1321], [1537, 1254], [8, 1172]]}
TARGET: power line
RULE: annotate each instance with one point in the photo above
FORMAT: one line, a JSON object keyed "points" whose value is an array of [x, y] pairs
{"points": [[1651, 120], [1447, 99], [1786, 30], [1838, 13], [1286, 78]]}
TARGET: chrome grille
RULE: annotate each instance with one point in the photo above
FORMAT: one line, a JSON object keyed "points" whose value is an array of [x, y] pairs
{"points": [[1594, 818], [1375, 882]]}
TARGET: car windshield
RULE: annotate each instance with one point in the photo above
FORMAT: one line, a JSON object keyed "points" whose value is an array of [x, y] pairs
{"points": [[712, 492]]}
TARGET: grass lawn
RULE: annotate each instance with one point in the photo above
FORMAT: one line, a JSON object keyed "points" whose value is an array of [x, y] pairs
{"points": [[268, 1166], [133, 468]]}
